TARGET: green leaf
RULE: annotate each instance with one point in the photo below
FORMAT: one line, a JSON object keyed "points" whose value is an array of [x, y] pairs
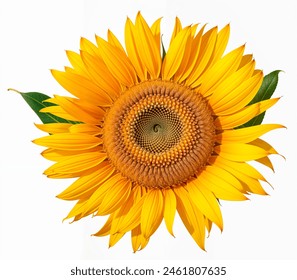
{"points": [[265, 92], [36, 101], [163, 50]]}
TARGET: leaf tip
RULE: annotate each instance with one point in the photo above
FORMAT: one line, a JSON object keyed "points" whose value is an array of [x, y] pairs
{"points": [[12, 89], [278, 71]]}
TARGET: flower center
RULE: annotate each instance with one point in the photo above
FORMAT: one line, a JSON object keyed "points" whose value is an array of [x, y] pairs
{"points": [[159, 134], [157, 129]]}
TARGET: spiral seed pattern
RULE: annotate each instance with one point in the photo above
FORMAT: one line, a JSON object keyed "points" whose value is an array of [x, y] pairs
{"points": [[159, 134]]}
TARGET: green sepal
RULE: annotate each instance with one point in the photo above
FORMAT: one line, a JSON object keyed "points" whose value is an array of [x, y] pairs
{"points": [[163, 50], [265, 92], [36, 101]]}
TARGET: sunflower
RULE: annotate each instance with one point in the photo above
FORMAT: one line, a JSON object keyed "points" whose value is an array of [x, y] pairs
{"points": [[153, 133]]}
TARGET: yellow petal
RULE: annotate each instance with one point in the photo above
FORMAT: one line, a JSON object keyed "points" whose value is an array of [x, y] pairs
{"points": [[66, 175], [267, 162], [205, 52], [85, 128], [248, 175], [115, 197], [221, 43], [136, 237], [132, 219], [223, 93], [90, 108], [76, 163], [175, 54], [240, 96], [68, 69], [77, 111], [97, 197], [152, 212], [156, 31], [77, 63], [139, 242], [78, 108], [247, 134], [193, 29], [264, 145], [69, 141], [257, 71], [113, 40], [119, 216], [149, 51], [220, 71], [169, 209], [58, 155], [144, 241], [240, 152], [117, 62], [132, 50], [208, 225], [76, 210], [191, 216], [226, 176], [241, 167], [194, 48], [86, 185], [105, 230], [244, 115], [82, 87], [176, 30], [206, 202], [114, 238], [253, 186], [181, 72], [59, 112], [220, 188], [121, 213], [138, 192], [101, 75], [54, 128], [245, 60], [88, 46]]}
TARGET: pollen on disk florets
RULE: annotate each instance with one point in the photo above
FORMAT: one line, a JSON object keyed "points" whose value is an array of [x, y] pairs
{"points": [[159, 134]]}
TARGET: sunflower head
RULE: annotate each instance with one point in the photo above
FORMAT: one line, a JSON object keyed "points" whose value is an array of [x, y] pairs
{"points": [[159, 134], [148, 135]]}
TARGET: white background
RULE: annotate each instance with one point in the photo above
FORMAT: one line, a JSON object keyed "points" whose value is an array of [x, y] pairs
{"points": [[34, 35]]}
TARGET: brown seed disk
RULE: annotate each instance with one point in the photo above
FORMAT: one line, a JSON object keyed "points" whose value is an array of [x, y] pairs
{"points": [[159, 134]]}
